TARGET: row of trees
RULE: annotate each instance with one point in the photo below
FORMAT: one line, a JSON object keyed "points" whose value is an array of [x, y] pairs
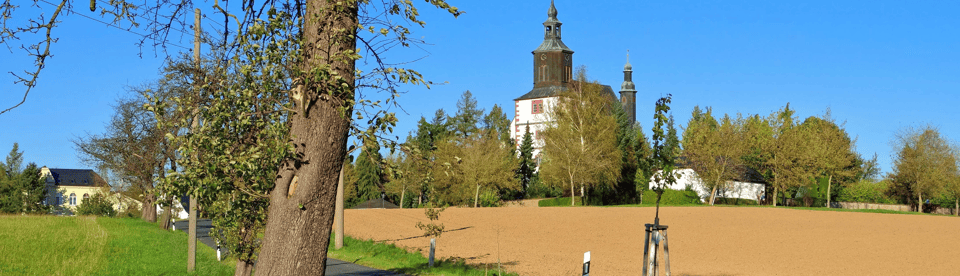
{"points": [[789, 155], [463, 159]]}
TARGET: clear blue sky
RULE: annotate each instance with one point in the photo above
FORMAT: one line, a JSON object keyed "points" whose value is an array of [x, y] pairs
{"points": [[877, 65]]}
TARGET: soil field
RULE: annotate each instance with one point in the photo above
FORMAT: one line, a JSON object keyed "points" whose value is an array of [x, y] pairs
{"points": [[703, 240]]}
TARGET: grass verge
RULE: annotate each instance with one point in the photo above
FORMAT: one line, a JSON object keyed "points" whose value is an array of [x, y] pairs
{"points": [[50, 245], [558, 202], [391, 258]]}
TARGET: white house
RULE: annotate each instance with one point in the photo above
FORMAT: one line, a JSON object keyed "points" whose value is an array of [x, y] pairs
{"points": [[733, 189]]}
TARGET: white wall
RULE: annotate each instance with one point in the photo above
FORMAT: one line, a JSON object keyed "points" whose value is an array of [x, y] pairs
{"points": [[734, 189]]}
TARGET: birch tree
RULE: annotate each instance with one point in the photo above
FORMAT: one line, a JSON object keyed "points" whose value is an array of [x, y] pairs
{"points": [[924, 162], [580, 142]]}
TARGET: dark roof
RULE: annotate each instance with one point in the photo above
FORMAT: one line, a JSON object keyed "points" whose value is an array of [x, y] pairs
{"points": [[74, 177], [376, 204], [551, 45], [551, 91]]}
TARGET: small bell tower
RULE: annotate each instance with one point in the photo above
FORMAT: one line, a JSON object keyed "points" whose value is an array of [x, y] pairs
{"points": [[552, 61], [628, 92]]}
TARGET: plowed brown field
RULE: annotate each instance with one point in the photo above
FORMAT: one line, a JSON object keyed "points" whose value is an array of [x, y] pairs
{"points": [[703, 240]]}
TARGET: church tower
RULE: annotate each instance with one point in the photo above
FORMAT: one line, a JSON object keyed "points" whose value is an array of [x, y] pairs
{"points": [[628, 92], [552, 61]]}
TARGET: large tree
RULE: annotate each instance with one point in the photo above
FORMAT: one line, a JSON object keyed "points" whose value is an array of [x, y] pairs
{"points": [[468, 117], [833, 151], [924, 162], [132, 147], [326, 98], [713, 149], [580, 141]]}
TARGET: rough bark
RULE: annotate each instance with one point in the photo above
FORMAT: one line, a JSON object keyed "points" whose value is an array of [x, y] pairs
{"points": [[299, 220], [148, 211], [165, 218], [243, 269]]}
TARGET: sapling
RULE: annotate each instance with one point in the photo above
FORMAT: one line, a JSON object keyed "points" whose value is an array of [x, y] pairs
{"points": [[431, 229]]}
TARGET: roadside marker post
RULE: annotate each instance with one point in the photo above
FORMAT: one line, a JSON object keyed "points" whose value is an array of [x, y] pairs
{"points": [[586, 263]]}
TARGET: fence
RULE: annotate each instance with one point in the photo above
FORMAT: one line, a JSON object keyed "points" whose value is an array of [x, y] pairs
{"points": [[891, 207]]}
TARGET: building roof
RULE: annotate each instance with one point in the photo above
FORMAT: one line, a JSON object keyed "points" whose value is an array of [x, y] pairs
{"points": [[553, 91], [77, 177]]}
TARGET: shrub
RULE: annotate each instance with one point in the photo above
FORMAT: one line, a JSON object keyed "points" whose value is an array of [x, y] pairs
{"points": [[489, 198], [866, 191], [672, 197], [538, 189], [96, 205], [560, 201]]}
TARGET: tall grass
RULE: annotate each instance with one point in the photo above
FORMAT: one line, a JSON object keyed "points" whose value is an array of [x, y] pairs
{"points": [[49, 245]]}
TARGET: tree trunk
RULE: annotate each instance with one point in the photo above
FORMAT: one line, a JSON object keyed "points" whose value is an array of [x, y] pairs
{"points": [[243, 268], [148, 210], [775, 188], [302, 201], [165, 218], [829, 182], [402, 193], [573, 193], [713, 195], [956, 207], [476, 197], [919, 202]]}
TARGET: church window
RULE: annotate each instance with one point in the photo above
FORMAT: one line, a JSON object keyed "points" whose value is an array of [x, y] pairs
{"points": [[537, 107]]}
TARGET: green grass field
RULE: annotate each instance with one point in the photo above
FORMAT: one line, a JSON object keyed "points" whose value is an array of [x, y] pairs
{"points": [[50, 245], [392, 258]]}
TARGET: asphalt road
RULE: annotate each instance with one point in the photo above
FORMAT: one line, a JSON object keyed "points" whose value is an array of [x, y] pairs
{"points": [[334, 267]]}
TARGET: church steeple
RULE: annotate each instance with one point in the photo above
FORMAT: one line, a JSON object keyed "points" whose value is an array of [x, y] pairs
{"points": [[628, 92], [553, 60]]}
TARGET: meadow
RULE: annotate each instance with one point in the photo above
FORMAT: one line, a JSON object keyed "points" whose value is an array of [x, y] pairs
{"points": [[52, 245]]}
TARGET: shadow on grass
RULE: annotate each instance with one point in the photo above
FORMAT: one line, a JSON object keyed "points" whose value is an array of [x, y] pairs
{"points": [[424, 236], [455, 266]]}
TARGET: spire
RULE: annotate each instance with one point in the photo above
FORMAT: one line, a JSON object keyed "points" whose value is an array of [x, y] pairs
{"points": [[552, 13], [628, 67], [627, 85]]}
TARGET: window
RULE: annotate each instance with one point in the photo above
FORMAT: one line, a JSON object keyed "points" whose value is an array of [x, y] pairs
{"points": [[537, 107], [59, 200], [85, 197], [73, 199]]}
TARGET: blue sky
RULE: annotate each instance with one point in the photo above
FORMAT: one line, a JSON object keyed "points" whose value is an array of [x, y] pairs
{"points": [[879, 66]]}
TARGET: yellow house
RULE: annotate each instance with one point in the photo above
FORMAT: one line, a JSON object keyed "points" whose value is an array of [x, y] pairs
{"points": [[68, 188]]}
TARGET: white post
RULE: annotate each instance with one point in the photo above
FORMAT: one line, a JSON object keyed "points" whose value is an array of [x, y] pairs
{"points": [[433, 246], [586, 263]]}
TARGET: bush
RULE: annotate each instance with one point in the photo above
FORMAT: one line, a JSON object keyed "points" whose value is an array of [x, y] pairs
{"points": [[560, 201], [96, 205], [672, 197], [538, 189], [866, 191], [489, 198]]}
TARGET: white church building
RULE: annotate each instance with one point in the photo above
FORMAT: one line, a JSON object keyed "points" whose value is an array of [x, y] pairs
{"points": [[552, 73]]}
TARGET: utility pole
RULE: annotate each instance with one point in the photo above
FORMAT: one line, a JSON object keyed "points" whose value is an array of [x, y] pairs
{"points": [[338, 214], [192, 232]]}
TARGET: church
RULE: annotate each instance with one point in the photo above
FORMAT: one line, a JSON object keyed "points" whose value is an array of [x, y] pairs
{"points": [[552, 73]]}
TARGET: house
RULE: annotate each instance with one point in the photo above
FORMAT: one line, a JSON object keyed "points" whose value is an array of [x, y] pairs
{"points": [[68, 188], [552, 74], [745, 189]]}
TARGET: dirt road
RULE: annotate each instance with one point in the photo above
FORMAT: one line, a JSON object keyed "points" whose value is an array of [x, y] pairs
{"points": [[703, 240]]}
